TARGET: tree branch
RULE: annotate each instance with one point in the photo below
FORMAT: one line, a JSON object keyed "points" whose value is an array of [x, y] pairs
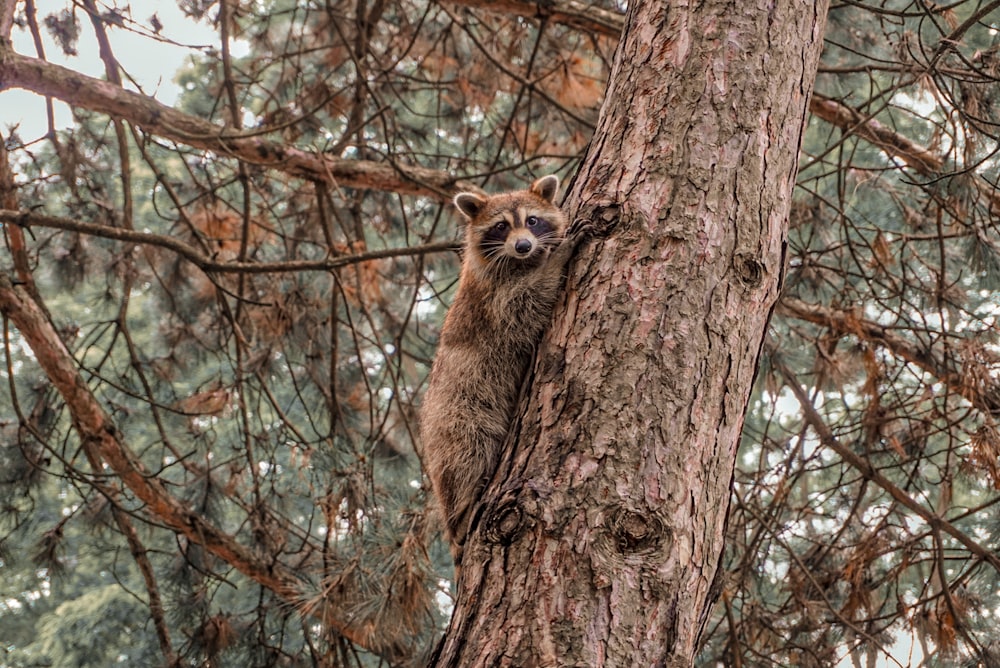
{"points": [[100, 437], [6, 18], [813, 419], [919, 158], [18, 219], [610, 24], [155, 118], [44, 78], [862, 125], [845, 322], [574, 14]]}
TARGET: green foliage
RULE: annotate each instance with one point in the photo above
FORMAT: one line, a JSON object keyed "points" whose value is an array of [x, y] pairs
{"points": [[105, 626]]}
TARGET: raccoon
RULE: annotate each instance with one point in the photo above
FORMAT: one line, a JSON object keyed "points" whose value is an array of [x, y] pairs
{"points": [[516, 247]]}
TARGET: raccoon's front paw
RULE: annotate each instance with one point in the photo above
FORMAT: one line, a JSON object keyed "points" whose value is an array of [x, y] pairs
{"points": [[581, 228]]}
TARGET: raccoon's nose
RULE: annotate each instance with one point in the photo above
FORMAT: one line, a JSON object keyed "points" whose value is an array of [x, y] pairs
{"points": [[522, 246]]}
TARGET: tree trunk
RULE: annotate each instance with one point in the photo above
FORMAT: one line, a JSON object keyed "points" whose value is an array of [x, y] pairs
{"points": [[600, 537]]}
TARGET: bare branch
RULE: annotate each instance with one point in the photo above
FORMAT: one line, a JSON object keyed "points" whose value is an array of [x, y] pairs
{"points": [[606, 23], [207, 264], [6, 18], [862, 125], [854, 122], [17, 71]]}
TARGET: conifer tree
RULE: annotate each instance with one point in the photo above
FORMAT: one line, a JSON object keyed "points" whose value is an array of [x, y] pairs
{"points": [[219, 312]]}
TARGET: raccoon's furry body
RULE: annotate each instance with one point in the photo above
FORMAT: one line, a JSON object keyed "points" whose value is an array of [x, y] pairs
{"points": [[516, 248]]}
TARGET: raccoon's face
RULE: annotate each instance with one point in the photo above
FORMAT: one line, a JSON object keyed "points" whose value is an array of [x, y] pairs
{"points": [[519, 235], [515, 229]]}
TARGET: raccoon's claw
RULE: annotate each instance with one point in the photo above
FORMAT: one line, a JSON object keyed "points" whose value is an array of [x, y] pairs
{"points": [[580, 230], [581, 227]]}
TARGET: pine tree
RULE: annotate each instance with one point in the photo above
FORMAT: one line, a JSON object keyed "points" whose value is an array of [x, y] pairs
{"points": [[219, 314]]}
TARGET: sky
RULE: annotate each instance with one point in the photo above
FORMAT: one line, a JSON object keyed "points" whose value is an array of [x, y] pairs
{"points": [[150, 63]]}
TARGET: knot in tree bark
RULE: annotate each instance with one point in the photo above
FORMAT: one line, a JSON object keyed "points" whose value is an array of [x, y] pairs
{"points": [[749, 271], [636, 532], [505, 523]]}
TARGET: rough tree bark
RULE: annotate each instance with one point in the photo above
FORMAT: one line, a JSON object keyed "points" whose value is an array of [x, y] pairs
{"points": [[599, 539]]}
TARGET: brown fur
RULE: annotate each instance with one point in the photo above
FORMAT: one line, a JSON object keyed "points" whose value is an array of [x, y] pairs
{"points": [[503, 303]]}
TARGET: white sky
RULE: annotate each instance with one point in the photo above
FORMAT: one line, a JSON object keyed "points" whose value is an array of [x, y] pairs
{"points": [[151, 63]]}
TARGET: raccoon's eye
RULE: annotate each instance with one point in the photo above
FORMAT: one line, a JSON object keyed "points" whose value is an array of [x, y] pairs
{"points": [[531, 221], [500, 227]]}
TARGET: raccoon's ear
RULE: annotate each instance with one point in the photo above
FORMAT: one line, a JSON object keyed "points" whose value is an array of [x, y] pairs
{"points": [[546, 187], [470, 204]]}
